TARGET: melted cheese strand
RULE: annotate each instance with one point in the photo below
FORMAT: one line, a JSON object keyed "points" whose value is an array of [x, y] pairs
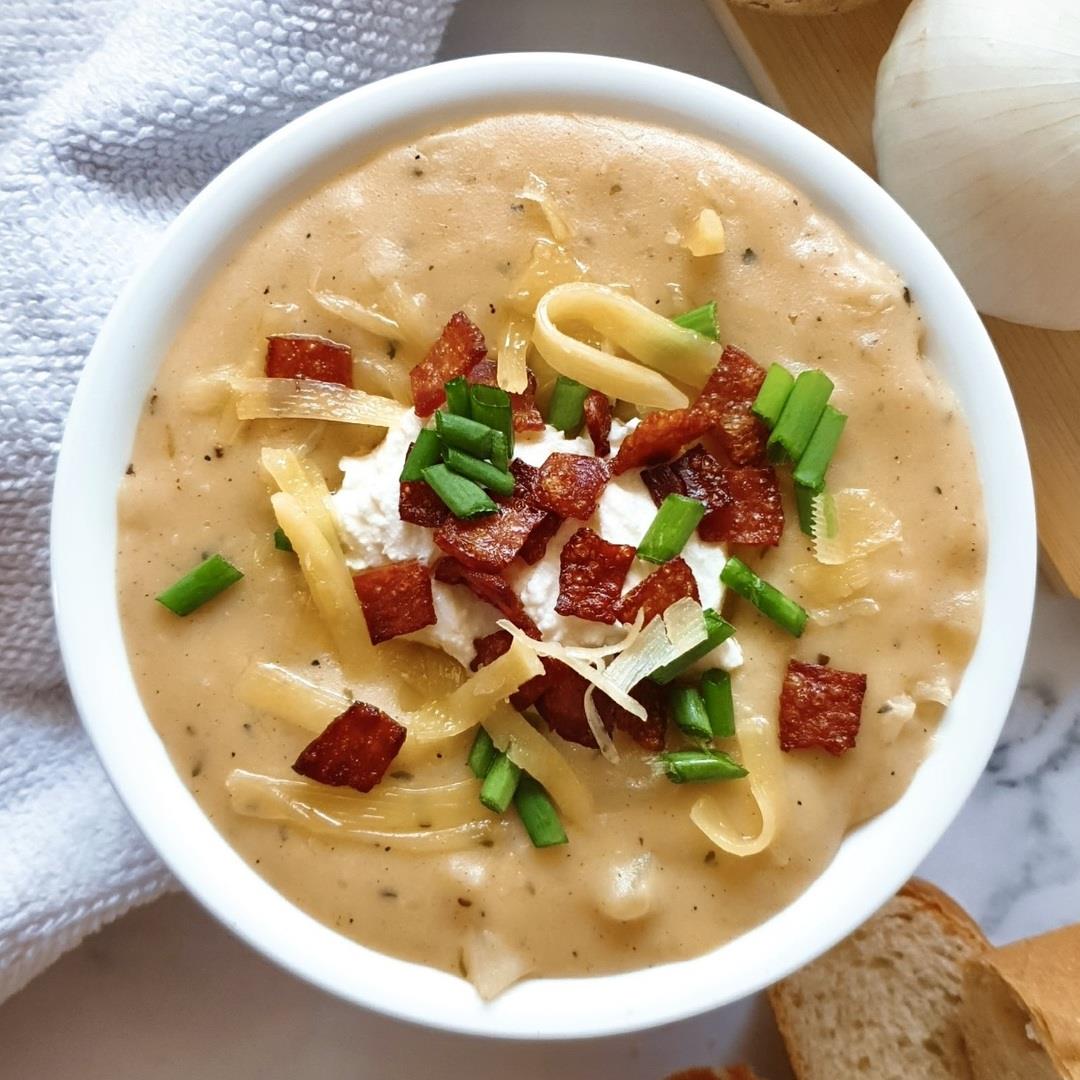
{"points": [[309, 399], [595, 721], [352, 311], [300, 478], [276, 690], [654, 342], [511, 371], [757, 744], [329, 583]]}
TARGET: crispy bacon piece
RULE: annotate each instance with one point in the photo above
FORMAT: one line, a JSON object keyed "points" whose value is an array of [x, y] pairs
{"points": [[492, 588], [598, 421], [658, 592], [820, 706], [562, 703], [662, 481], [490, 648], [459, 348], [570, 485], [527, 477], [492, 541], [396, 599], [650, 733], [304, 356], [354, 750], [725, 404], [661, 436], [591, 576], [526, 415], [753, 513], [419, 505]]}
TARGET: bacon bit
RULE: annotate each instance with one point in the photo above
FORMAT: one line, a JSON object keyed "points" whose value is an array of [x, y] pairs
{"points": [[598, 421], [526, 415], [354, 750], [725, 404], [302, 356], [562, 703], [754, 513], [820, 706], [419, 505], [493, 589], [650, 733], [534, 549], [490, 648], [492, 541], [396, 599], [662, 481], [459, 347], [570, 485], [591, 576], [658, 592], [661, 436]]}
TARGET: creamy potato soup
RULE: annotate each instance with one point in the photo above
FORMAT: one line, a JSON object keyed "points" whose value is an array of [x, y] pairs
{"points": [[544, 542]]}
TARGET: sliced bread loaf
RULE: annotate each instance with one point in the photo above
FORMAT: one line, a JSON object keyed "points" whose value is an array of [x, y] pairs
{"points": [[1021, 1010], [883, 1004]]}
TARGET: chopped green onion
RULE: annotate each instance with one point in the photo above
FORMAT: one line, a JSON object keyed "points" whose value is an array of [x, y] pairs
{"points": [[481, 472], [769, 600], [719, 705], [464, 434], [281, 541], [701, 320], [500, 452], [693, 766], [810, 472], [800, 415], [457, 396], [464, 498], [676, 519], [769, 403], [566, 410], [491, 405], [500, 784], [424, 452], [538, 813], [717, 630], [804, 500], [688, 709], [482, 755], [199, 585]]}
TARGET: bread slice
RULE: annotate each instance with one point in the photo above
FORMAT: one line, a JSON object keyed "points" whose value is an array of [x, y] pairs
{"points": [[883, 1004], [1021, 1011]]}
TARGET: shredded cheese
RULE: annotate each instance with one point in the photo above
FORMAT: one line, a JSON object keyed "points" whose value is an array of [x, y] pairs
{"points": [[512, 373], [298, 477], [537, 191], [549, 265], [352, 311], [309, 399], [706, 235], [851, 523], [274, 689]]}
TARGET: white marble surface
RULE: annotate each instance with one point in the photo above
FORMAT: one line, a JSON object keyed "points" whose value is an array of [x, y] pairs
{"points": [[166, 994]]}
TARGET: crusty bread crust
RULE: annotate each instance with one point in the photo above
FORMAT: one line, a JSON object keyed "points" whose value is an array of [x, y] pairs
{"points": [[916, 898]]}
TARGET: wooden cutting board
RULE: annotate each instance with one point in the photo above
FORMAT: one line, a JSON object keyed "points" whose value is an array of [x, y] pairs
{"points": [[821, 72]]}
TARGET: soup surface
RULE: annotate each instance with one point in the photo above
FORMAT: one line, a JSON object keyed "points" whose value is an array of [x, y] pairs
{"points": [[482, 219]]}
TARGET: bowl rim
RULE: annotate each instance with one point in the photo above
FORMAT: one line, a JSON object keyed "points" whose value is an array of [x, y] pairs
{"points": [[872, 861]]}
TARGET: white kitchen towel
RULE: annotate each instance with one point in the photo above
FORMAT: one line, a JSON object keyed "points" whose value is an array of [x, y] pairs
{"points": [[113, 114]]}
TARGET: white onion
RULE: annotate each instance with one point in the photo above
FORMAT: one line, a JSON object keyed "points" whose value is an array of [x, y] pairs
{"points": [[977, 133]]}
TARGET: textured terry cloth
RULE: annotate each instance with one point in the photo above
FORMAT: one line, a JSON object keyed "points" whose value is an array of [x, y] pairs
{"points": [[113, 114]]}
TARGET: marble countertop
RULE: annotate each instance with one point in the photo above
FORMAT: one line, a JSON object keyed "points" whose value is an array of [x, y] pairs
{"points": [[167, 994]]}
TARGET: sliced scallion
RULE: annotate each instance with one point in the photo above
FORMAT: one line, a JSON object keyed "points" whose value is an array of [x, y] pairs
{"points": [[457, 396], [490, 405], [500, 451], [676, 519], [769, 600], [197, 586], [500, 784], [538, 813], [566, 410], [694, 766], [688, 709], [482, 755], [717, 630], [480, 472], [774, 392], [464, 498], [424, 452], [701, 320], [810, 472], [715, 688], [281, 541], [464, 434], [800, 415]]}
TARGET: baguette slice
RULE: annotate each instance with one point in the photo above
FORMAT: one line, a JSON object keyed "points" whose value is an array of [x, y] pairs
{"points": [[884, 1002], [732, 1072], [1021, 1010]]}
